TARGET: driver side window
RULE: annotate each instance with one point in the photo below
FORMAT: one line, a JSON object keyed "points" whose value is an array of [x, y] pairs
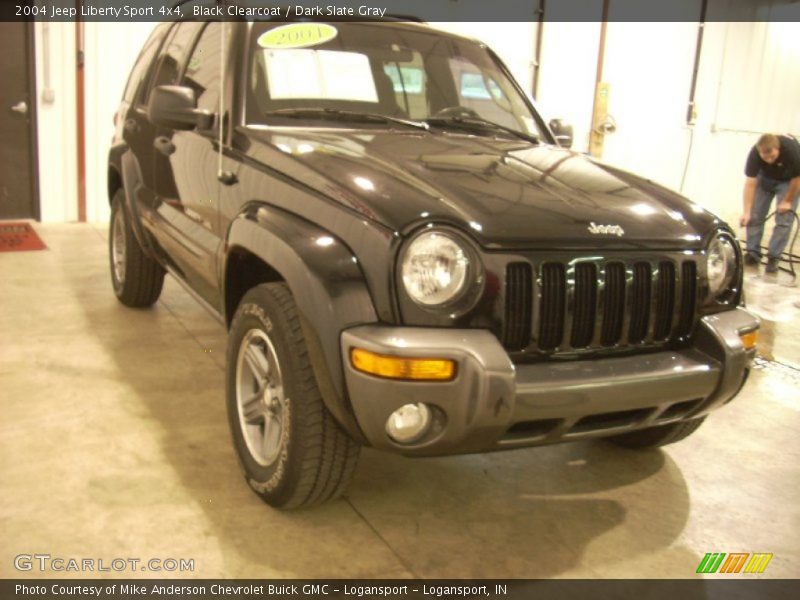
{"points": [[171, 60], [203, 68]]}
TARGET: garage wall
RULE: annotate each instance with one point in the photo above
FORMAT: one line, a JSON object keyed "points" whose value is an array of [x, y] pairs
{"points": [[56, 135], [649, 69], [748, 83], [735, 102], [110, 50], [567, 75]]}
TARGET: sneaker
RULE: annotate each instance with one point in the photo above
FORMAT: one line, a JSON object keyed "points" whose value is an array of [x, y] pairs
{"points": [[772, 265], [751, 261]]}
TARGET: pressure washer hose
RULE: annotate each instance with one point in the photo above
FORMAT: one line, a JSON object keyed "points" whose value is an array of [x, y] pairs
{"points": [[794, 239]]}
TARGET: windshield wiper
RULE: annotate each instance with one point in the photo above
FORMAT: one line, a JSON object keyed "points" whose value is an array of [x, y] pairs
{"points": [[343, 115], [479, 122]]}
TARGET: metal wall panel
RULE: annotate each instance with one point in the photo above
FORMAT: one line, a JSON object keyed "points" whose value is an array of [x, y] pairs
{"points": [[759, 87]]}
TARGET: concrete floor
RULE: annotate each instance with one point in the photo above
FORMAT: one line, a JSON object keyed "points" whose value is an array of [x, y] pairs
{"points": [[114, 443]]}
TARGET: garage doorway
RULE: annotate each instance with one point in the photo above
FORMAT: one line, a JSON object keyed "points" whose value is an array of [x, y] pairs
{"points": [[18, 192]]}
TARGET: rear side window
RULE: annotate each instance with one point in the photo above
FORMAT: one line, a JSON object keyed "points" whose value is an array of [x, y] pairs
{"points": [[173, 58], [145, 59], [203, 68]]}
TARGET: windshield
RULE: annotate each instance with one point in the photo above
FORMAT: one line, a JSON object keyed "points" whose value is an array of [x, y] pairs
{"points": [[389, 70]]}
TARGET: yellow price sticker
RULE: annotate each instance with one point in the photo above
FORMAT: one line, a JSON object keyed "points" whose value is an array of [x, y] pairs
{"points": [[297, 35]]}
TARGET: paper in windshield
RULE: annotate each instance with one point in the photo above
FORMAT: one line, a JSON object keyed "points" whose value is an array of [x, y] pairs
{"points": [[323, 74]]}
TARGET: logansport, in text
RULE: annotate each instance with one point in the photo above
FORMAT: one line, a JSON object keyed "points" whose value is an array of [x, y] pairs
{"points": [[328, 10], [227, 590]]}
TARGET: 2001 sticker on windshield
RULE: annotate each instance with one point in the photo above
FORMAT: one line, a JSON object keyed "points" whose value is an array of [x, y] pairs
{"points": [[297, 35]]}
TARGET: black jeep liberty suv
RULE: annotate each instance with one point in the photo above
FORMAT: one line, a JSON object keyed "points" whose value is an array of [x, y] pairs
{"points": [[405, 255]]}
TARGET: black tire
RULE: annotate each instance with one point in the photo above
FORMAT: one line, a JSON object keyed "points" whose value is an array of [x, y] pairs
{"points": [[291, 449], [653, 437], [137, 279]]}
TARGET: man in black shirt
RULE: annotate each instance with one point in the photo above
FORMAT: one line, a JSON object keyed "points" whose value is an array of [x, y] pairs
{"points": [[772, 169]]}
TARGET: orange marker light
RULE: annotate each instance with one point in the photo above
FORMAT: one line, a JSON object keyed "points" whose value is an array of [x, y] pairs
{"points": [[398, 367], [749, 339]]}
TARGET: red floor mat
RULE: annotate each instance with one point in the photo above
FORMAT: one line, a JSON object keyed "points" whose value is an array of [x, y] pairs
{"points": [[19, 236]]}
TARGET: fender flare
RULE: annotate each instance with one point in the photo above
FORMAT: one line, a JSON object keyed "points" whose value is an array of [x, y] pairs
{"points": [[131, 183], [326, 281]]}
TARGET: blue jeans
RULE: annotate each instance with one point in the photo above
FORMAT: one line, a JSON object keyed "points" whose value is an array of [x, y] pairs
{"points": [[765, 190]]}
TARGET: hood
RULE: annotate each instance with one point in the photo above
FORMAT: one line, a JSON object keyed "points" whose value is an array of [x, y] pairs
{"points": [[507, 194]]}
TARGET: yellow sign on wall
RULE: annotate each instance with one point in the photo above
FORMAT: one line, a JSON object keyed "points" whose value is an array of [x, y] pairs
{"points": [[597, 137]]}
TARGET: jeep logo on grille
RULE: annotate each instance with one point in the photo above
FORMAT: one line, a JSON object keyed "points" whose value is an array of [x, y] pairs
{"points": [[606, 229]]}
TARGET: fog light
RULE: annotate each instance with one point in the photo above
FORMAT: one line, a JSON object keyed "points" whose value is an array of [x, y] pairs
{"points": [[398, 367], [749, 339], [409, 423]]}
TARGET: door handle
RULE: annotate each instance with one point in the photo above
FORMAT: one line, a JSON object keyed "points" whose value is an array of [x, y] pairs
{"points": [[164, 145], [131, 126], [20, 107]]}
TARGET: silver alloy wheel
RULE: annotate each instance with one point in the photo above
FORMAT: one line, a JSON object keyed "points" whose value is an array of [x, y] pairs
{"points": [[118, 246], [260, 400]]}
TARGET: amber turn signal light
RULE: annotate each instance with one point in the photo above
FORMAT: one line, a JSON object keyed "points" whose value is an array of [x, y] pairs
{"points": [[399, 367], [749, 339]]}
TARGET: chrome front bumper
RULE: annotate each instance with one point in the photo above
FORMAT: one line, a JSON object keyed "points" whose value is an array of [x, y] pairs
{"points": [[493, 404]]}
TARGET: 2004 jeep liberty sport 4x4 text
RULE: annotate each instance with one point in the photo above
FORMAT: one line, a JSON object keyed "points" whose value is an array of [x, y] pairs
{"points": [[406, 257]]}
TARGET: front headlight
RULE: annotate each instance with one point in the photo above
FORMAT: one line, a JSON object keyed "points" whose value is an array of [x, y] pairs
{"points": [[720, 266], [435, 269]]}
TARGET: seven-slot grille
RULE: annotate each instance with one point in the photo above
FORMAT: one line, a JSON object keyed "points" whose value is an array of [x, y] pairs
{"points": [[593, 304]]}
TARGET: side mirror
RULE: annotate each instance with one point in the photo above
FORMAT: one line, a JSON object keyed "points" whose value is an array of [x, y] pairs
{"points": [[563, 132], [175, 107]]}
